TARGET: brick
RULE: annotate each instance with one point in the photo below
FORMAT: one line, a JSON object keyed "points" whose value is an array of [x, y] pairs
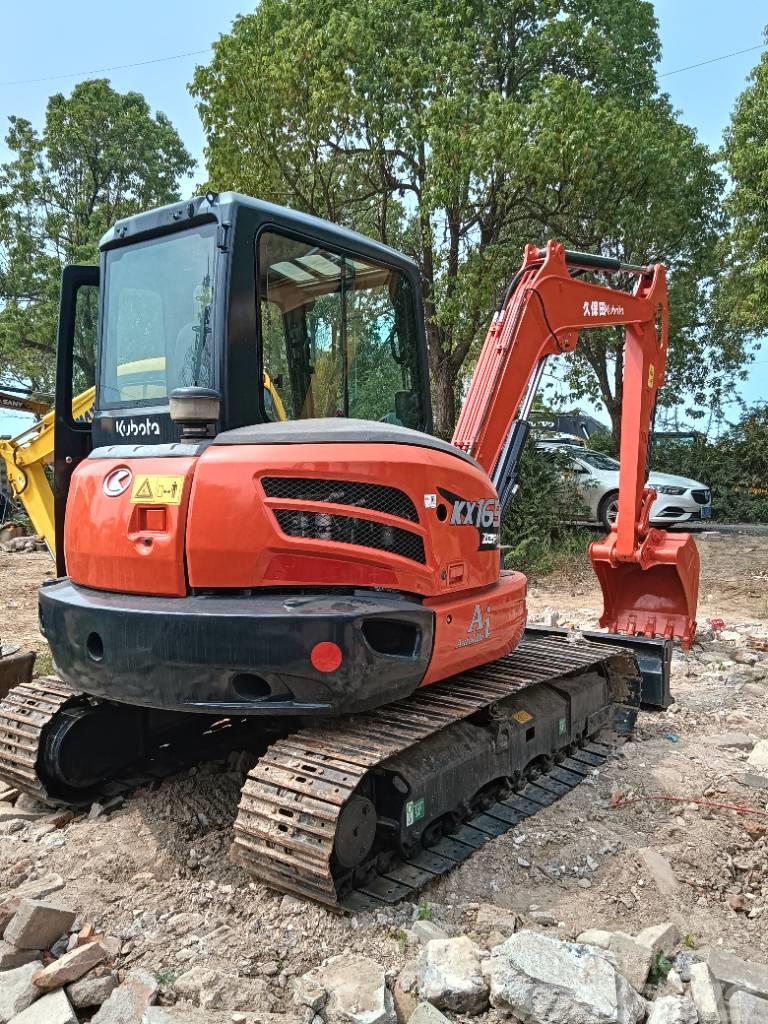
{"points": [[37, 925], [70, 967]]}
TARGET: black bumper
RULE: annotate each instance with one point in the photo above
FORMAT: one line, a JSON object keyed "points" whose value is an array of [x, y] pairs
{"points": [[237, 654]]}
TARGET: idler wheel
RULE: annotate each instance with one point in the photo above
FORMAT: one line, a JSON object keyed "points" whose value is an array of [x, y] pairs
{"points": [[355, 832]]}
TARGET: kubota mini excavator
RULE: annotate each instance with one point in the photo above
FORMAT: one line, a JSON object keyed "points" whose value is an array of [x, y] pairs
{"points": [[326, 583]]}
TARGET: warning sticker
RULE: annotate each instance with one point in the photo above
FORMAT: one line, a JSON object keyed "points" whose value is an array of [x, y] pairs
{"points": [[157, 490], [414, 811], [522, 717]]}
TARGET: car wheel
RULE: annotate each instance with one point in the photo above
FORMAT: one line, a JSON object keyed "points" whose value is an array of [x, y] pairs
{"points": [[608, 510]]}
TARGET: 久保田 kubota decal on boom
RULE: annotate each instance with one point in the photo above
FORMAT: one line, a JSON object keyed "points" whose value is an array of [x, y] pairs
{"points": [[292, 563]]}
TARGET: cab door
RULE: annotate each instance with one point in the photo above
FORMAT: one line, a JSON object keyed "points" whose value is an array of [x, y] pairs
{"points": [[76, 349]]}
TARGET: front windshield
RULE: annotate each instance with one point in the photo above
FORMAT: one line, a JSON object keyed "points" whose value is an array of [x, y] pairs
{"points": [[597, 460], [158, 306], [338, 334]]}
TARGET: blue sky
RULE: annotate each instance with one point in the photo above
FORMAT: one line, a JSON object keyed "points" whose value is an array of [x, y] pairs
{"points": [[45, 39]]}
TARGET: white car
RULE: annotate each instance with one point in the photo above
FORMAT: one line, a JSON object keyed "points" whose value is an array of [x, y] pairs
{"points": [[678, 499]]}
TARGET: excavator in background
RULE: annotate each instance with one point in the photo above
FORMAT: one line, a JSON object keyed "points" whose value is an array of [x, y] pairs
{"points": [[325, 586]]}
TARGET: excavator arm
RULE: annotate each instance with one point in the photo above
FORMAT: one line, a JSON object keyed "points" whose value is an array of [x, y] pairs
{"points": [[26, 457], [649, 578]]}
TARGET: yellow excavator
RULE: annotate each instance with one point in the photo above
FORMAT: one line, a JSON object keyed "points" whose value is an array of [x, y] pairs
{"points": [[26, 455]]}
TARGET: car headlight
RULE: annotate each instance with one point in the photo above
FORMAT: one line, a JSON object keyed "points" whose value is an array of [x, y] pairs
{"points": [[669, 490]]}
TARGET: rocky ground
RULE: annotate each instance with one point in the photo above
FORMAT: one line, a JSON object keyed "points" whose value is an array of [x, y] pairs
{"points": [[181, 928]]}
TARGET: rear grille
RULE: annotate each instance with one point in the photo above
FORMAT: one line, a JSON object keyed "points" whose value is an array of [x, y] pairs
{"points": [[348, 530], [342, 492], [702, 497]]}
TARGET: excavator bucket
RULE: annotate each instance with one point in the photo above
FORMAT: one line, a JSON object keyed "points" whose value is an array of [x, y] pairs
{"points": [[656, 594]]}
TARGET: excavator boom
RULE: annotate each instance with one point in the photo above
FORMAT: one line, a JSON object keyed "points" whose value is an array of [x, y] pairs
{"points": [[649, 578]]}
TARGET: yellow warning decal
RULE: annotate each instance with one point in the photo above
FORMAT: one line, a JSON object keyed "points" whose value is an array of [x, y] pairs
{"points": [[651, 375], [157, 490], [522, 717]]}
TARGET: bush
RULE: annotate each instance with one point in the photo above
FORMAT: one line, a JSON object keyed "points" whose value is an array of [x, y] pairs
{"points": [[538, 533], [735, 467]]}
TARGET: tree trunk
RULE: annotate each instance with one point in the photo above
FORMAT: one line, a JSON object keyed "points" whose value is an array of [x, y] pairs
{"points": [[444, 397]]}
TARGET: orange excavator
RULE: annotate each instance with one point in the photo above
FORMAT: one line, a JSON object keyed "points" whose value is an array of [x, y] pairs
{"points": [[324, 587]]}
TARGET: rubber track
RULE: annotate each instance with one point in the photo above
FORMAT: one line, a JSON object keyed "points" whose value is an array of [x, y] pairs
{"points": [[24, 713], [292, 799]]}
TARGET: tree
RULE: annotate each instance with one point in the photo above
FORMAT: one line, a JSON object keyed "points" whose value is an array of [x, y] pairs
{"points": [[101, 156], [409, 120], [743, 295]]}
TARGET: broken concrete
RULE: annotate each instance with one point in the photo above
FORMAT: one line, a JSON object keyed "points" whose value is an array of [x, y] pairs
{"points": [[672, 1010], [595, 937], [707, 995], [92, 990], [356, 990], [746, 974], [12, 956], [660, 870], [426, 1013], [128, 1002], [543, 980], [37, 924], [758, 759], [491, 917], [427, 931], [70, 966], [449, 976], [53, 1008], [17, 991], [660, 938], [747, 1009], [633, 959]]}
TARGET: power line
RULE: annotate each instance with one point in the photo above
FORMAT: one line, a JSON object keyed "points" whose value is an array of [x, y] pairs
{"points": [[713, 60], [116, 67]]}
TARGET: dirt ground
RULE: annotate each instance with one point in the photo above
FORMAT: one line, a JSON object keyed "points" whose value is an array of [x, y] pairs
{"points": [[155, 872]]}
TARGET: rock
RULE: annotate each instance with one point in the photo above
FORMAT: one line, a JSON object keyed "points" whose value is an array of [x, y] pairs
{"points": [[707, 994], [746, 974], [128, 1002], [92, 990], [489, 916], [551, 617], [70, 967], [595, 937], [544, 918], [450, 977], [758, 759], [17, 991], [731, 635], [426, 931], [309, 992], [731, 740], [37, 925], [53, 1008], [405, 994], [673, 986], [38, 889], [747, 1009], [672, 1010], [357, 991], [659, 869], [426, 1013], [543, 980], [633, 959], [660, 938], [11, 956]]}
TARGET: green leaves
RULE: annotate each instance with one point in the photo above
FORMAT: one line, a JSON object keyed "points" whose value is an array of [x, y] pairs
{"points": [[101, 156]]}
